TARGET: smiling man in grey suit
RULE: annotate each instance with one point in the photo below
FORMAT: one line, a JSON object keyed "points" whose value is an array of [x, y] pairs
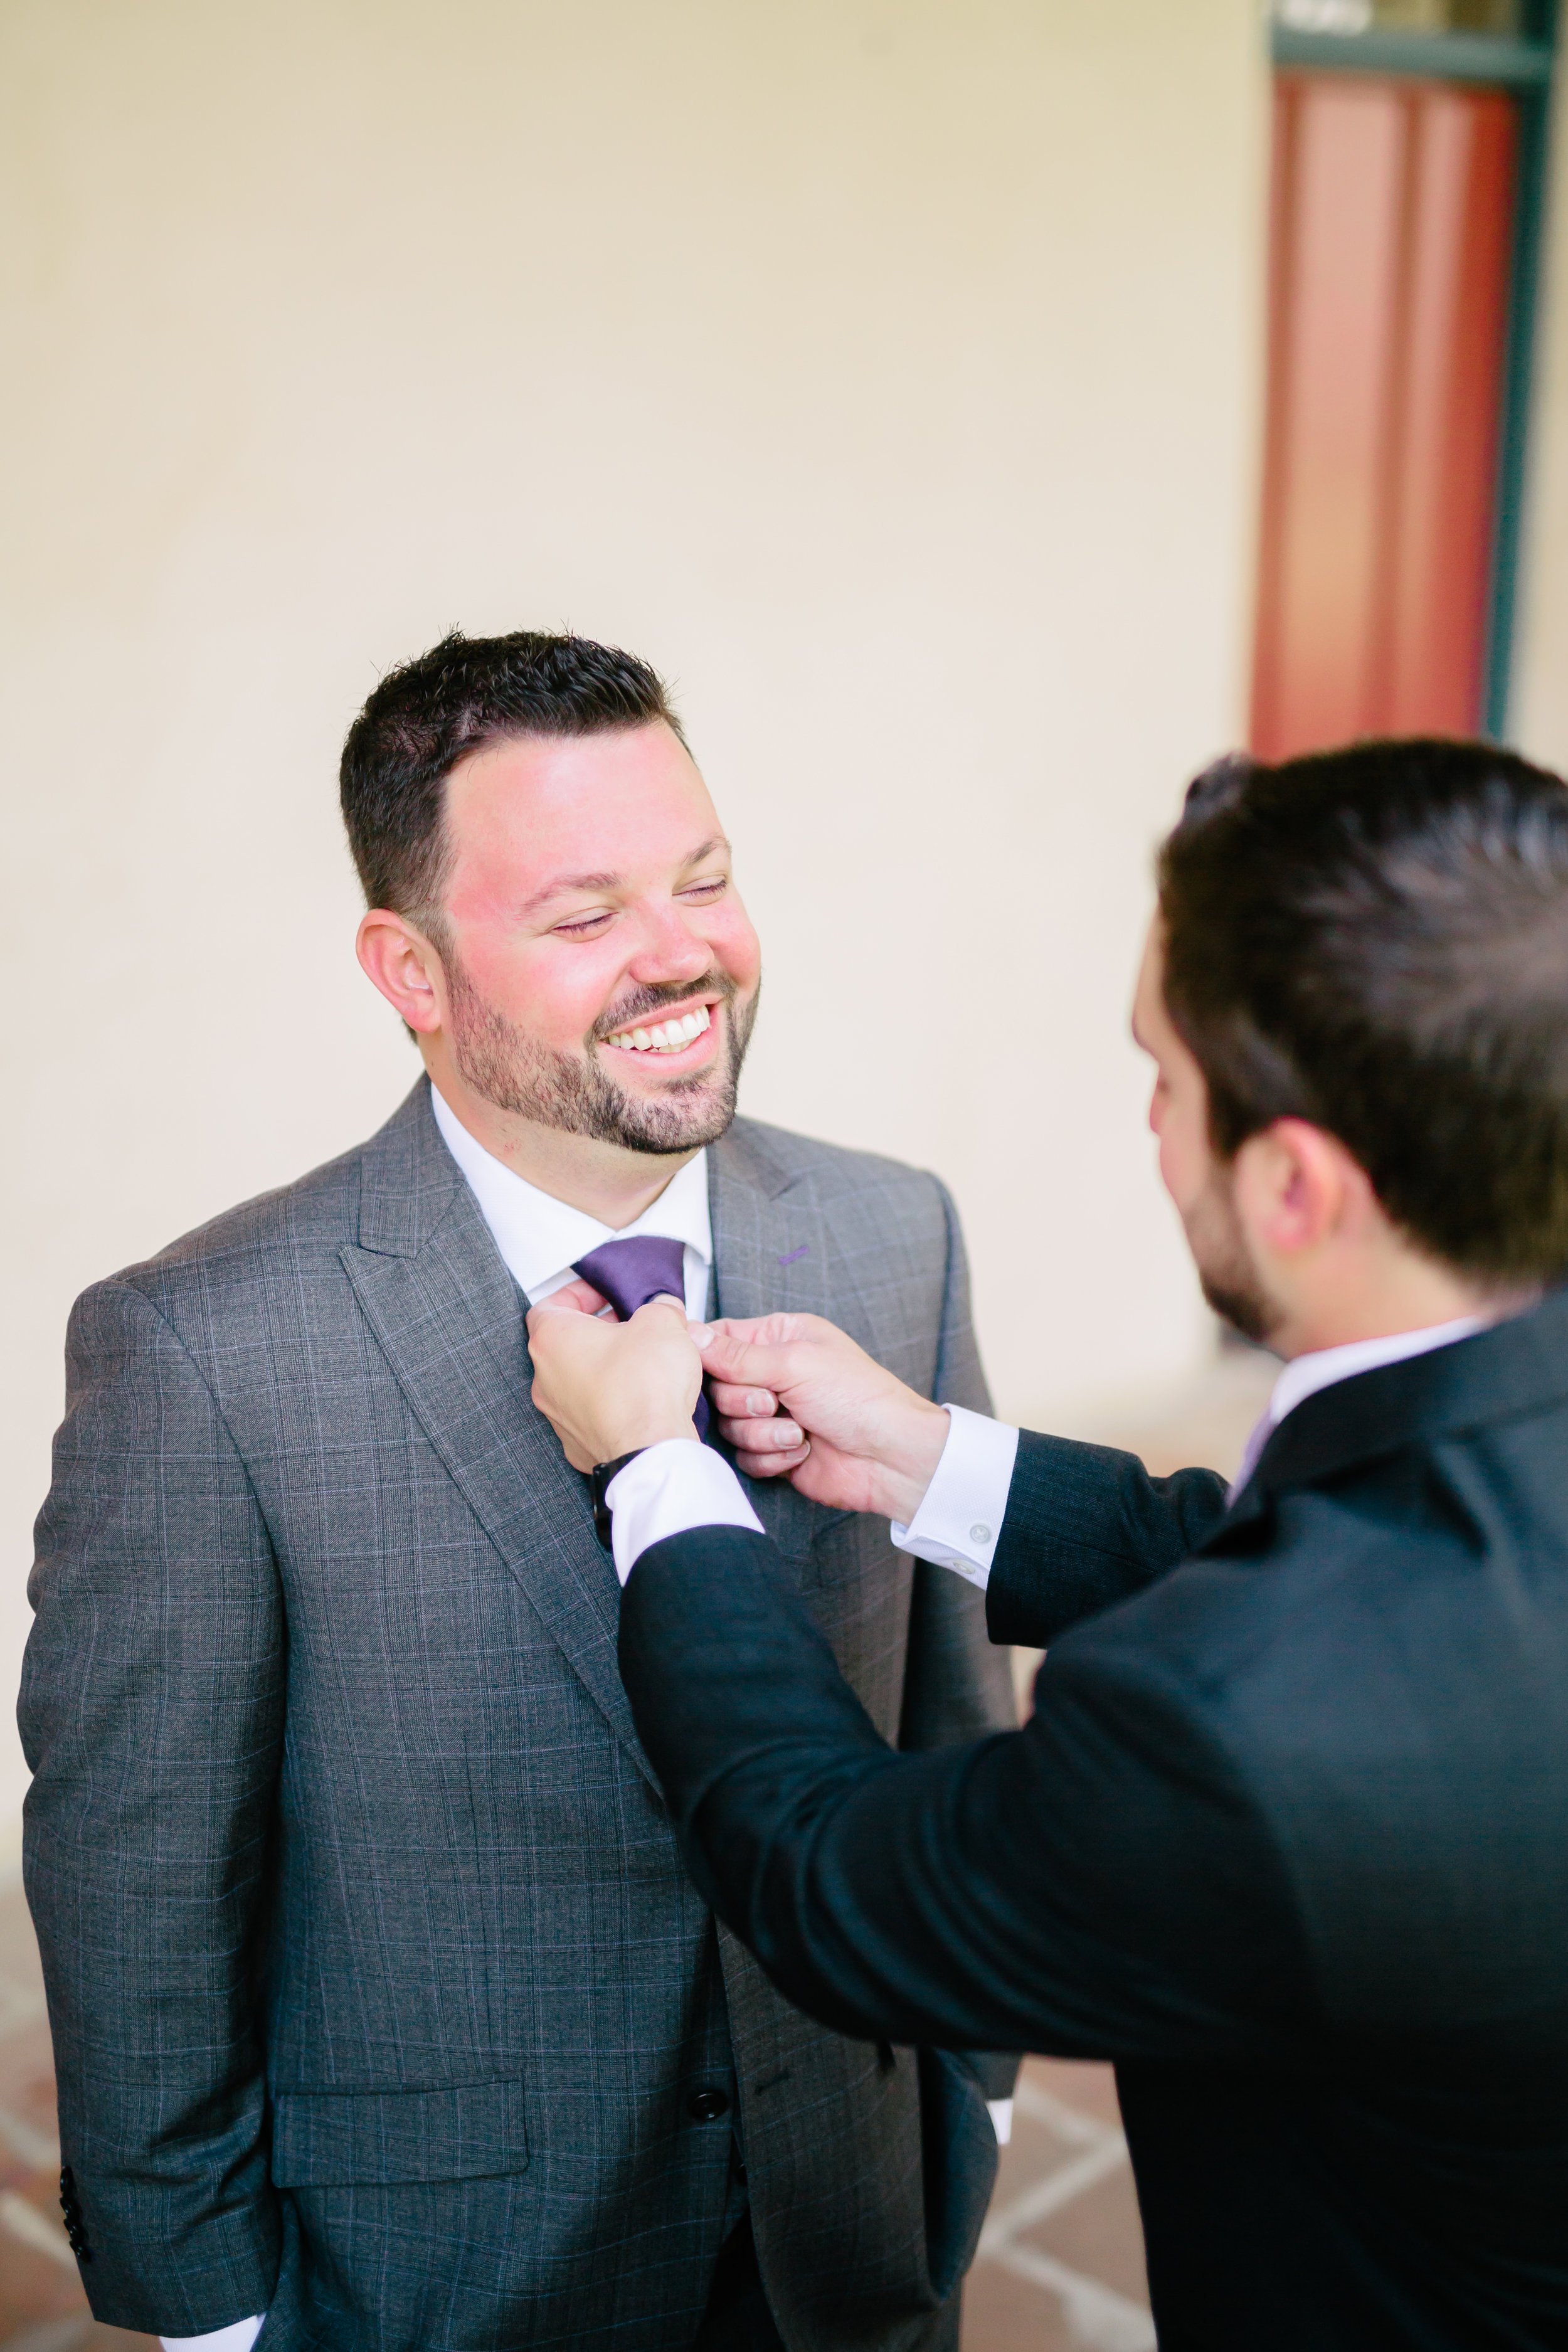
{"points": [[383, 2011]]}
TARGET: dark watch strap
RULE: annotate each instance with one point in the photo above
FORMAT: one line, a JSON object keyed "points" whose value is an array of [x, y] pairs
{"points": [[599, 1478]]}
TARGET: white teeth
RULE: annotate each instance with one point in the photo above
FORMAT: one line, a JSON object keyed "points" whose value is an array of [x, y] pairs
{"points": [[669, 1037]]}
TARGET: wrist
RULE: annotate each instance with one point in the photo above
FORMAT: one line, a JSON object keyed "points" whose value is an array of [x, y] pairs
{"points": [[907, 1464], [616, 1442]]}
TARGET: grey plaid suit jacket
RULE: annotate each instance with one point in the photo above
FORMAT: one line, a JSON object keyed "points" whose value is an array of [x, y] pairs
{"points": [[379, 1994]]}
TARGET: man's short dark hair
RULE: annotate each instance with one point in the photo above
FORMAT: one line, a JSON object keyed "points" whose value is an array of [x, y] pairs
{"points": [[465, 693], [1377, 939]]}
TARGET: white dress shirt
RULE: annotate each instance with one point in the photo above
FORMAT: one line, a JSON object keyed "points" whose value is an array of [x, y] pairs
{"points": [[237, 2339], [541, 1239]]}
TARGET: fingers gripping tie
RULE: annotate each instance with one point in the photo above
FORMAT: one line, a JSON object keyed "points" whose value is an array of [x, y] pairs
{"points": [[631, 1271]]}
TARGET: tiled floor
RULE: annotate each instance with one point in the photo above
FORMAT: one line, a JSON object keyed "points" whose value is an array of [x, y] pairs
{"points": [[1061, 2262]]}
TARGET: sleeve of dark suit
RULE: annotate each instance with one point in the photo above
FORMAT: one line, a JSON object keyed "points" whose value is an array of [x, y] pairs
{"points": [[1087, 1526], [1097, 1884], [151, 1713]]}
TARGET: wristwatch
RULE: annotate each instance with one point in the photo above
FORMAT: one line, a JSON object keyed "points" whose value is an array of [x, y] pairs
{"points": [[599, 1478]]}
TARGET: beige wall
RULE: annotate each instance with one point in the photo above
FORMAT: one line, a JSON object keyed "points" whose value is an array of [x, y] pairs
{"points": [[883, 369]]}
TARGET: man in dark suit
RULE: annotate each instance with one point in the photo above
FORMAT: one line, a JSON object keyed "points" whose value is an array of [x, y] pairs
{"points": [[1286, 1836], [384, 2010]]}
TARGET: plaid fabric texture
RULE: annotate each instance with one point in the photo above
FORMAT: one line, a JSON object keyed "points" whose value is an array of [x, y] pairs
{"points": [[380, 1997]]}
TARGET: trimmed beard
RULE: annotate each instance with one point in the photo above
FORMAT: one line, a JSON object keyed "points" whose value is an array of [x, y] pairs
{"points": [[576, 1094], [1228, 1278]]}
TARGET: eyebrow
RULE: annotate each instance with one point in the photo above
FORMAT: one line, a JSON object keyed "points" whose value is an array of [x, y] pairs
{"points": [[705, 849], [558, 887]]}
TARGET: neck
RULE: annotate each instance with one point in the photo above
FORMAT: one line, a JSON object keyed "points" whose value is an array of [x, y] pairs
{"points": [[604, 1180], [1407, 1294]]}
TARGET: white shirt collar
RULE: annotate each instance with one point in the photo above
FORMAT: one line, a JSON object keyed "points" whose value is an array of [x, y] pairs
{"points": [[541, 1238], [1305, 1375]]}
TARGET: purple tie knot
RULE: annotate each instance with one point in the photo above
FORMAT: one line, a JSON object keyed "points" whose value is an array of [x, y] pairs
{"points": [[632, 1270]]}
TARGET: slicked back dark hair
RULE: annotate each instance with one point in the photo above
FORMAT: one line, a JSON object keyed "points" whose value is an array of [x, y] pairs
{"points": [[1376, 940], [465, 693]]}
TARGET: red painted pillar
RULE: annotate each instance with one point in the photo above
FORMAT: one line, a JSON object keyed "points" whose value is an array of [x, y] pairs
{"points": [[1390, 244]]}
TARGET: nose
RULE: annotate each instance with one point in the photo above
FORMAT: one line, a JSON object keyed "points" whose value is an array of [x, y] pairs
{"points": [[669, 950]]}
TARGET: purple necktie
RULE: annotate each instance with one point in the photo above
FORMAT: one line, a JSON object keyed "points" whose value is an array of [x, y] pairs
{"points": [[631, 1271]]}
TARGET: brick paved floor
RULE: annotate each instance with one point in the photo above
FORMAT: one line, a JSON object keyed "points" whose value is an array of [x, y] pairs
{"points": [[1061, 2267], [1061, 2263]]}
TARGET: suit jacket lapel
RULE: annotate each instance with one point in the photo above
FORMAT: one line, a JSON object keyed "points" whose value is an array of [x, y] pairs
{"points": [[449, 1321], [770, 1255]]}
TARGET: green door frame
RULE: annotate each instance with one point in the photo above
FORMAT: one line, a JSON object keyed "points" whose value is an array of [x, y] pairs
{"points": [[1525, 67]]}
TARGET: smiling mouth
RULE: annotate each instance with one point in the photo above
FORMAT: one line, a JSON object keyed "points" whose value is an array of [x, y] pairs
{"points": [[672, 1036]]}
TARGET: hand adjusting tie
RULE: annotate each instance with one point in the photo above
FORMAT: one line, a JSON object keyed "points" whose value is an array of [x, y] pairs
{"points": [[633, 1269], [630, 1271]]}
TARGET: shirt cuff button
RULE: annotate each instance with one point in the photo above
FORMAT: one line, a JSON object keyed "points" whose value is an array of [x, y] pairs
{"points": [[978, 1534]]}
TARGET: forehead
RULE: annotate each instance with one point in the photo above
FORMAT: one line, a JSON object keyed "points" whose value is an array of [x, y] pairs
{"points": [[1151, 1021], [529, 807]]}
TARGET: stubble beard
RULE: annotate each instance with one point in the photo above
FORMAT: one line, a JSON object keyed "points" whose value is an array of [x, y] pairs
{"points": [[1227, 1275], [576, 1094]]}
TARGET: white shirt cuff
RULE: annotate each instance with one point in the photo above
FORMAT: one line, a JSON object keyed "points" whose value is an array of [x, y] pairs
{"points": [[667, 1489], [1001, 2112], [960, 1513], [238, 2338]]}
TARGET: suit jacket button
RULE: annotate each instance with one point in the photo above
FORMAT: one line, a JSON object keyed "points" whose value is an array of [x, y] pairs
{"points": [[707, 2106]]}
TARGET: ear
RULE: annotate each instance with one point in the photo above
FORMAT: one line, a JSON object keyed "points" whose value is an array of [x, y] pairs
{"points": [[1295, 1187], [403, 964]]}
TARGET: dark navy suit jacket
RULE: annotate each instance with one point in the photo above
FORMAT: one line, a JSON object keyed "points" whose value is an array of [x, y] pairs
{"points": [[1287, 1839]]}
